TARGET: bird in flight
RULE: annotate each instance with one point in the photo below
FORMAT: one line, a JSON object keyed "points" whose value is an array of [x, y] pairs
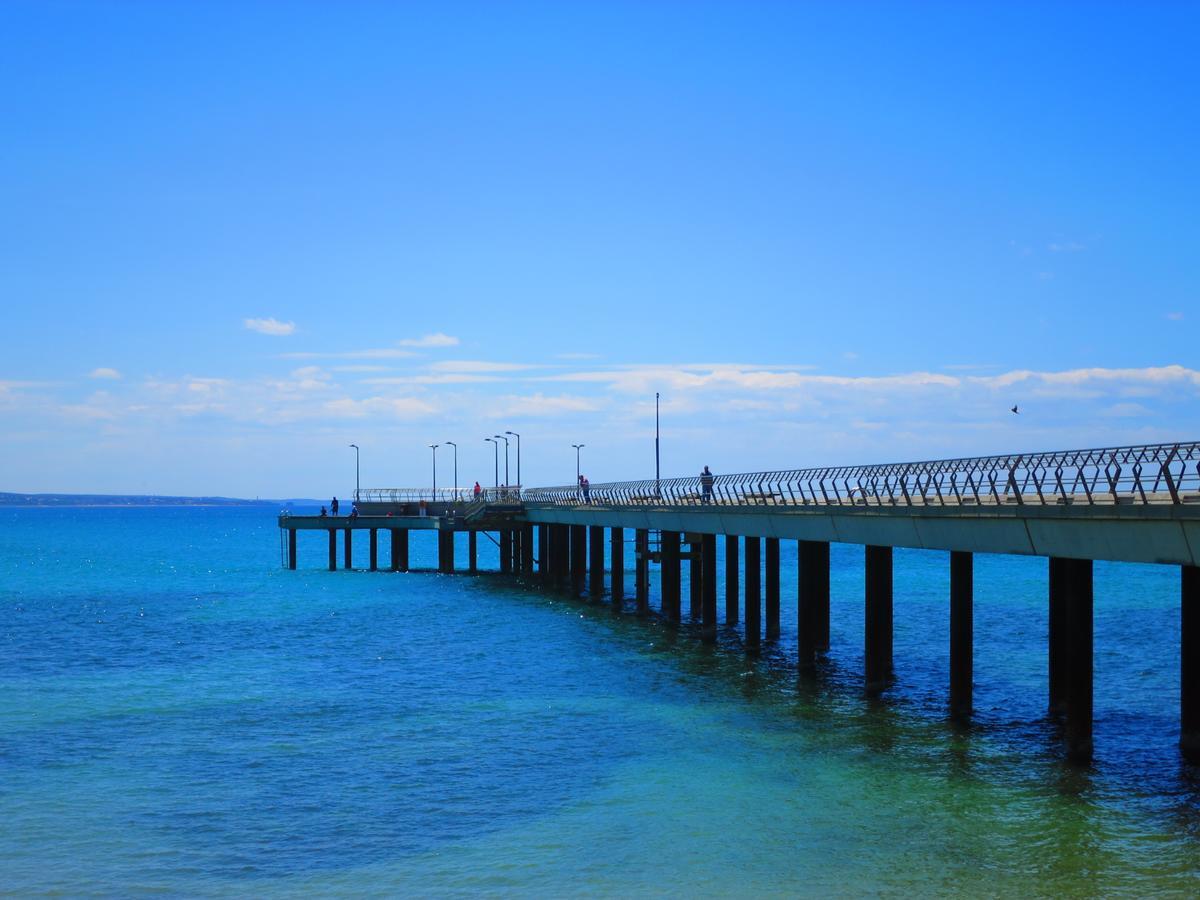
{"points": [[1015, 411]]}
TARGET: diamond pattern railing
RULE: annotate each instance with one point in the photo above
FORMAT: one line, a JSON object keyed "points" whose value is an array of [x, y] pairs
{"points": [[1137, 475]]}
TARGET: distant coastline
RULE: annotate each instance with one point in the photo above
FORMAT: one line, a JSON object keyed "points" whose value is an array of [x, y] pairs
{"points": [[131, 501]]}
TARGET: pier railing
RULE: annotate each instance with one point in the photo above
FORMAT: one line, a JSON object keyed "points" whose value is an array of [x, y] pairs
{"points": [[498, 495], [1149, 474]]}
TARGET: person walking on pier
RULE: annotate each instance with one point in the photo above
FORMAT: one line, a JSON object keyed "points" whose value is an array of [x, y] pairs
{"points": [[587, 489], [333, 506], [478, 490], [706, 484]]}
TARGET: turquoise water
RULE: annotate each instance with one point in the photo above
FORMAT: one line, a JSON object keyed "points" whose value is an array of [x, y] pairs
{"points": [[179, 714]]}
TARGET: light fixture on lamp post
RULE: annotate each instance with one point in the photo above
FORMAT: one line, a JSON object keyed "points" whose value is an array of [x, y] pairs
{"points": [[356, 481], [496, 446], [518, 437], [501, 437], [577, 447], [433, 447]]}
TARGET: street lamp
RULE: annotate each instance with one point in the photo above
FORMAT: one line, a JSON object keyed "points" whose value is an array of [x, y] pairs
{"points": [[355, 446], [502, 438], [577, 447], [657, 465], [433, 447], [455, 446], [518, 437], [496, 447]]}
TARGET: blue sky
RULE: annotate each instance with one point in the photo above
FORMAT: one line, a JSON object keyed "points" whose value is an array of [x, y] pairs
{"points": [[236, 237]]}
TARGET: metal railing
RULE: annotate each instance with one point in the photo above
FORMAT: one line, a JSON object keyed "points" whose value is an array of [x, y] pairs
{"points": [[500, 495], [1150, 474]]}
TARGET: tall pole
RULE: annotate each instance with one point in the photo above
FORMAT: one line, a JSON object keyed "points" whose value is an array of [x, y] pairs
{"points": [[501, 437], [577, 447], [518, 437], [455, 446], [356, 480], [496, 446], [657, 460], [434, 447]]}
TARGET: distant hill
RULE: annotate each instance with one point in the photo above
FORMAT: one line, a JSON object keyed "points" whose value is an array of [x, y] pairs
{"points": [[9, 499]]}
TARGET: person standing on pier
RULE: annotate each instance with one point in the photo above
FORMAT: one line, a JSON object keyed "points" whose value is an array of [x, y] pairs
{"points": [[478, 490], [587, 489], [706, 484], [333, 506]]}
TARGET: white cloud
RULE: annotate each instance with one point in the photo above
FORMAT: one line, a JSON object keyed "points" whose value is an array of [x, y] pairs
{"points": [[478, 365], [540, 405], [1066, 247], [1175, 316], [370, 353], [437, 339], [388, 407], [104, 372], [270, 326]]}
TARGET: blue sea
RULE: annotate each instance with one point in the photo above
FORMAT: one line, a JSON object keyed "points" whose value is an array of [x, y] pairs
{"points": [[180, 715]]}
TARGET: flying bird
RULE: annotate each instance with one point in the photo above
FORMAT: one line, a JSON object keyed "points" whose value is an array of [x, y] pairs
{"points": [[1014, 410]]}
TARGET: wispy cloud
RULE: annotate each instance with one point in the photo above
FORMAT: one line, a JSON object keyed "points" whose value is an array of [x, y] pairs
{"points": [[479, 365], [437, 339], [1175, 316], [1066, 247], [105, 372], [369, 353], [270, 326]]}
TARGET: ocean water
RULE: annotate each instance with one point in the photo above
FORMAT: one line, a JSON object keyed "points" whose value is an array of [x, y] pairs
{"points": [[180, 715]]}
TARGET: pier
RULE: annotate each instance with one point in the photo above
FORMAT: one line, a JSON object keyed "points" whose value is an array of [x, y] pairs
{"points": [[1125, 504]]}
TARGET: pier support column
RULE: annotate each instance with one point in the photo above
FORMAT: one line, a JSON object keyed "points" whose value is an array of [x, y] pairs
{"points": [[445, 551], [394, 546], [402, 549], [348, 562], [617, 553], [578, 556], [291, 548], [527, 550], [772, 585], [671, 601], [641, 574], [708, 575], [1189, 661], [505, 551], [695, 575], [332, 549], [812, 602], [514, 547], [473, 552], [753, 553], [878, 618], [374, 549], [560, 541], [1079, 660], [962, 635], [596, 560], [543, 552], [1057, 649], [731, 579]]}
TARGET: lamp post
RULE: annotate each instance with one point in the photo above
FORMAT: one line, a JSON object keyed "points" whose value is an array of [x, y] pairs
{"points": [[501, 437], [657, 465], [518, 437], [434, 447], [577, 447], [356, 483], [455, 446], [496, 446]]}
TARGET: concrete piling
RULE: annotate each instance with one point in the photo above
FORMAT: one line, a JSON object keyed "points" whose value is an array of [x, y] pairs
{"points": [[772, 586], [878, 656], [617, 565], [962, 637], [753, 612]]}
